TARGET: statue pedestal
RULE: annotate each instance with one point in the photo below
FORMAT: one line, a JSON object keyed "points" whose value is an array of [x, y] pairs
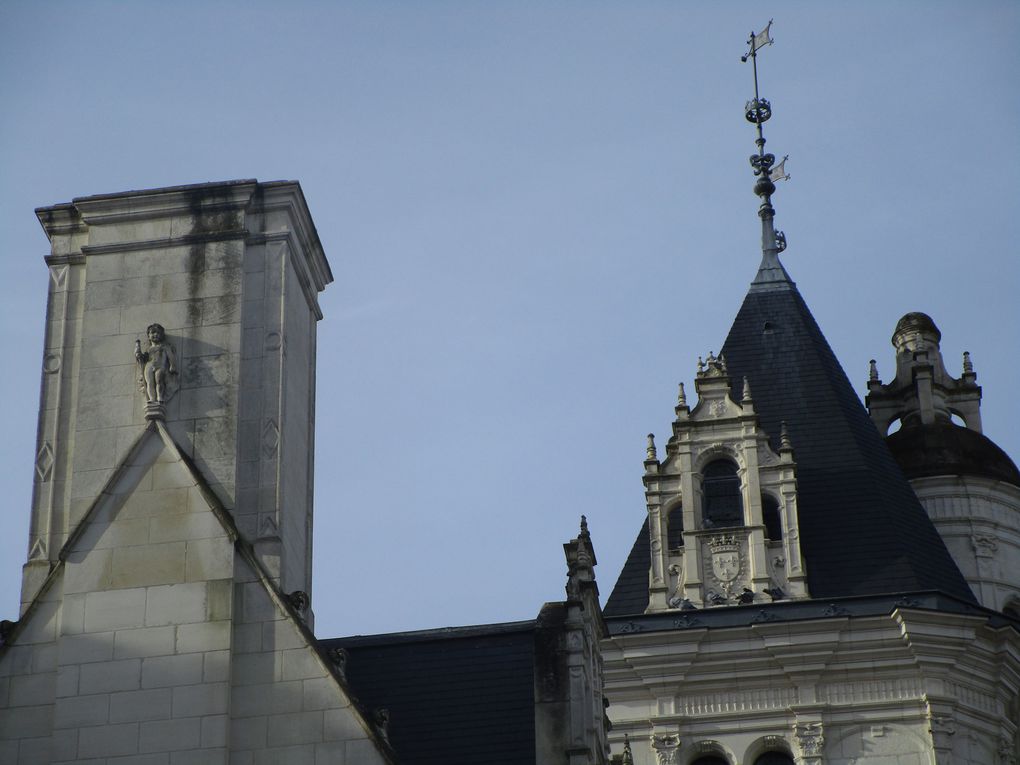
{"points": [[154, 410]]}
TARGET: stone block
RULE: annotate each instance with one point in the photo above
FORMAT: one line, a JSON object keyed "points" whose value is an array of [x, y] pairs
{"points": [[282, 634], [34, 751], [331, 753], [95, 449], [216, 756], [86, 648], [105, 677], [247, 638], [108, 740], [80, 711], [203, 636], [138, 706], [341, 725], [175, 316], [115, 609], [215, 730], [157, 758], [201, 700], [295, 728], [67, 681], [32, 690], [159, 504], [225, 309], [26, 722], [362, 751], [216, 667], [301, 663], [210, 401], [122, 532], [44, 658], [86, 572], [322, 693], [182, 526], [104, 322], [16, 660], [170, 475], [242, 758], [288, 755], [142, 642], [88, 484], [257, 668], [266, 699], [168, 671], [150, 564], [176, 604], [170, 735], [249, 732], [64, 744], [218, 370], [209, 558]]}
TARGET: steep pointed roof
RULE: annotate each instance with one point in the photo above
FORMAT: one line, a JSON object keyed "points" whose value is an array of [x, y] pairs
{"points": [[862, 529]]}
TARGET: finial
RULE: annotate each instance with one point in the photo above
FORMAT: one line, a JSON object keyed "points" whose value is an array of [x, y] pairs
{"points": [[584, 527], [650, 453], [722, 363], [968, 366], [701, 365], [785, 444], [873, 371], [758, 111], [681, 396], [746, 397], [628, 756], [711, 358]]}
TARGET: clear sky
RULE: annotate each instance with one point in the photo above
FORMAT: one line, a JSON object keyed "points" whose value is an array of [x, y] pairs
{"points": [[539, 214]]}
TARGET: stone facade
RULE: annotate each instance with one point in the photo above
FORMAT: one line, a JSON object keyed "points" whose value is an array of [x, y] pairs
{"points": [[166, 600]]}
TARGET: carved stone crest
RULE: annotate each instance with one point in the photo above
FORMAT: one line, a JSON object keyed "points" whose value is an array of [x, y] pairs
{"points": [[726, 561]]}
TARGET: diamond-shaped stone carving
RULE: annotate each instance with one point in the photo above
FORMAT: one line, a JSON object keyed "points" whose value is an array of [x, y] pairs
{"points": [[270, 439], [44, 462]]}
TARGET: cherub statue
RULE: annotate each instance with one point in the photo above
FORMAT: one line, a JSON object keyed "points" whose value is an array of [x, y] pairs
{"points": [[155, 364]]}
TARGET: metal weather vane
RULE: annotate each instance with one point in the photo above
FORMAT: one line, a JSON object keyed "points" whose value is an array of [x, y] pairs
{"points": [[757, 112]]}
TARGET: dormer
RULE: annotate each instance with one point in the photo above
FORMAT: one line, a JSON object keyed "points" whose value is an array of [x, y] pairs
{"points": [[722, 504]]}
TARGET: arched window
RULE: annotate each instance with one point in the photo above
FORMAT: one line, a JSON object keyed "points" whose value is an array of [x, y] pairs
{"points": [[721, 496], [770, 517], [774, 758], [675, 528]]}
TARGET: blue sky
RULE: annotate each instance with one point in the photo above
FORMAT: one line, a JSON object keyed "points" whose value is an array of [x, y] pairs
{"points": [[538, 216]]}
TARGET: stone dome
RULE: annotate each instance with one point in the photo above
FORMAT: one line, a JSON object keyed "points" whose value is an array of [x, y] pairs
{"points": [[943, 448]]}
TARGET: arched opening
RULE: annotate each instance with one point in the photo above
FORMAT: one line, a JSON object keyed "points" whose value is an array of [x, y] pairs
{"points": [[771, 518], [675, 527], [721, 505], [710, 759], [774, 758]]}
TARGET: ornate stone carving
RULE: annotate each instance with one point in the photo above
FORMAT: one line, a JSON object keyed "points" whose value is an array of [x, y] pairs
{"points": [[58, 274], [666, 748], [157, 370], [984, 546], [299, 600], [809, 738], [339, 657], [630, 627], [833, 610], [942, 730], [51, 363], [684, 621], [1006, 752], [726, 563]]}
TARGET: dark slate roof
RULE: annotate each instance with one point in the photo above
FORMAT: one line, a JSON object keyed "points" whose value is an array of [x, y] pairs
{"points": [[863, 530], [456, 695], [944, 448]]}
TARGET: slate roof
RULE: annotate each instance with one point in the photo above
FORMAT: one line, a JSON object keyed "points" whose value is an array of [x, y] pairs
{"points": [[863, 530], [456, 695]]}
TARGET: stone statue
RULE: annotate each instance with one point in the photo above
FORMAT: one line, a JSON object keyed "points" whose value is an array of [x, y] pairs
{"points": [[155, 364]]}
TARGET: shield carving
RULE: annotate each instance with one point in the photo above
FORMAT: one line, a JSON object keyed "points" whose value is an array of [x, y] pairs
{"points": [[726, 565]]}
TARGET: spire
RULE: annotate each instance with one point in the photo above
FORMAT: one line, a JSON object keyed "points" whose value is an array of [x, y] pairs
{"points": [[771, 274]]}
